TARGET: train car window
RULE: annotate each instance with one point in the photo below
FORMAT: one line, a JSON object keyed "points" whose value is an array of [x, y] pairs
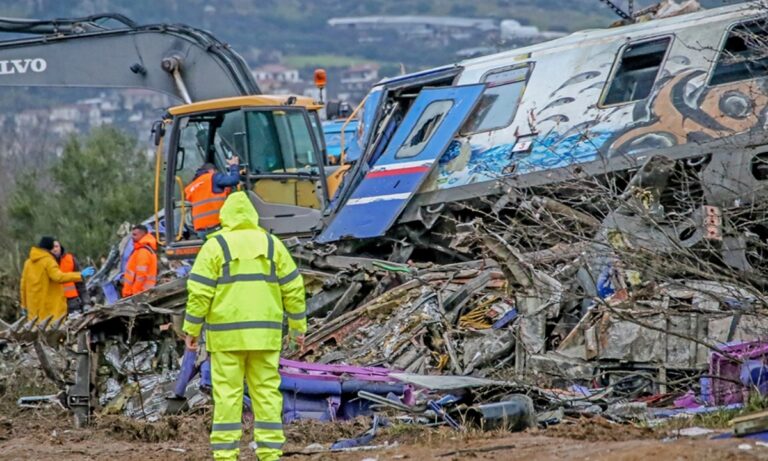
{"points": [[424, 128], [636, 71], [744, 55], [498, 105]]}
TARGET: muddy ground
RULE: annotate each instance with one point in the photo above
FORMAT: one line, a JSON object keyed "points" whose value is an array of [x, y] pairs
{"points": [[48, 434]]}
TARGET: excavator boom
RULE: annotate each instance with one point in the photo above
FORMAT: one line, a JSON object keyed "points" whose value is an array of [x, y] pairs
{"points": [[110, 50]]}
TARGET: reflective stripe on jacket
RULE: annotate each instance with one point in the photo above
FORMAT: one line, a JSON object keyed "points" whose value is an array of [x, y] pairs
{"points": [[67, 264], [244, 281], [141, 270], [206, 203]]}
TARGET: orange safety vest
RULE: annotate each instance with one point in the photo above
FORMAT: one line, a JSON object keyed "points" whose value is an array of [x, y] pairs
{"points": [[205, 202], [67, 264], [141, 269]]}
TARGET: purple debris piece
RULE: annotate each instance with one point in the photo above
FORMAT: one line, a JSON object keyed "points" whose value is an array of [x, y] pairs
{"points": [[688, 400], [725, 370]]}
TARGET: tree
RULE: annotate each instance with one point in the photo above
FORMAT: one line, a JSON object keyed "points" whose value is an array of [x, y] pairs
{"points": [[99, 182]]}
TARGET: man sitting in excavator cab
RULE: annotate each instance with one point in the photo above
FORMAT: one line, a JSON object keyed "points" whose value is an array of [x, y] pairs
{"points": [[207, 193]]}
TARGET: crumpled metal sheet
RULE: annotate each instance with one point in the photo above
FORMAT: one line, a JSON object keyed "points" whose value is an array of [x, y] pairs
{"points": [[151, 404], [555, 365], [138, 359], [447, 382], [485, 347], [111, 389], [674, 339]]}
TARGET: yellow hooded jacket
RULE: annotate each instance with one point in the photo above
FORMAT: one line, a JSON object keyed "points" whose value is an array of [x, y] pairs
{"points": [[42, 293], [243, 282]]}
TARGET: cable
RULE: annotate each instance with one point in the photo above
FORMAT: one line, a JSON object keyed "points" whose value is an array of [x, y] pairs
{"points": [[619, 12]]}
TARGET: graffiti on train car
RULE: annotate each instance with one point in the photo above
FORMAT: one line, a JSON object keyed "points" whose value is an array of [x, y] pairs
{"points": [[680, 112], [681, 109]]}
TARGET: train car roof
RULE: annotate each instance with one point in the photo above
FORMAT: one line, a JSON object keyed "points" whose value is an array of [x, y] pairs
{"points": [[630, 31], [590, 36]]}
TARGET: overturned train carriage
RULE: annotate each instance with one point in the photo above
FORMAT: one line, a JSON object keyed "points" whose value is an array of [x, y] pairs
{"points": [[591, 108]]}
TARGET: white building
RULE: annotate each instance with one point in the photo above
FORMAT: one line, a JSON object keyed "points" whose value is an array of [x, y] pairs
{"points": [[137, 97], [415, 26], [276, 73], [360, 77]]}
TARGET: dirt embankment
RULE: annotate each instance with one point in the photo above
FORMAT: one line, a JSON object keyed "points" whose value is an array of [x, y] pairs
{"points": [[48, 434]]}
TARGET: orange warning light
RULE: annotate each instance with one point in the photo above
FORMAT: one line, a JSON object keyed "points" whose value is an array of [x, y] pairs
{"points": [[321, 78]]}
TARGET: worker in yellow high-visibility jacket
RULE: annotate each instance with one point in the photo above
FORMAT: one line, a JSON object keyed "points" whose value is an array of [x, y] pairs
{"points": [[242, 284]]}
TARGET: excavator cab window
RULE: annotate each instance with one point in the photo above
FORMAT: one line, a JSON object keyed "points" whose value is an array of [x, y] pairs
{"points": [[200, 139], [190, 153], [209, 138], [317, 126], [284, 157], [280, 141], [229, 139]]}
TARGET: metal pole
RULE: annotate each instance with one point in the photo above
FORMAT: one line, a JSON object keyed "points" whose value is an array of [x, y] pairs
{"points": [[79, 395]]}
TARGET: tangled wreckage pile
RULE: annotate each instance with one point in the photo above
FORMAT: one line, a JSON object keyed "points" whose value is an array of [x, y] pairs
{"points": [[611, 303]]}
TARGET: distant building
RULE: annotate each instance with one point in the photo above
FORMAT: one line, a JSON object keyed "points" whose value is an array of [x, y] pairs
{"points": [[270, 86], [91, 114], [65, 119], [357, 80], [66, 113], [416, 25], [441, 30], [360, 76], [31, 118], [138, 98], [276, 73], [429, 30], [132, 110], [290, 88]]}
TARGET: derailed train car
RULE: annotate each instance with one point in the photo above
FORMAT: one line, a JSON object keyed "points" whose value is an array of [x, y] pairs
{"points": [[596, 104]]}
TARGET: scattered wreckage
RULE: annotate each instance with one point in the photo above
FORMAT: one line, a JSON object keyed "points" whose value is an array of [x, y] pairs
{"points": [[630, 285], [610, 311]]}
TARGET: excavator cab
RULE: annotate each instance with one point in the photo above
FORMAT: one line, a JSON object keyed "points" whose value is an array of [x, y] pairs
{"points": [[282, 162]]}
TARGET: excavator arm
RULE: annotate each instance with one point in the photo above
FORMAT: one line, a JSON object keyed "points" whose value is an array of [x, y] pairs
{"points": [[110, 50]]}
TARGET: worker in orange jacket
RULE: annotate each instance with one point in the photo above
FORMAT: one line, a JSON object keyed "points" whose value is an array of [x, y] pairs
{"points": [[141, 269], [207, 193], [75, 292]]}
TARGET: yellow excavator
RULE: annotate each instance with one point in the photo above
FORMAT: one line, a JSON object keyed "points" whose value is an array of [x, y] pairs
{"points": [[279, 141]]}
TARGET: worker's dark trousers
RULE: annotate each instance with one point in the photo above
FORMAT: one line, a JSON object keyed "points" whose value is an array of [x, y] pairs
{"points": [[260, 370]]}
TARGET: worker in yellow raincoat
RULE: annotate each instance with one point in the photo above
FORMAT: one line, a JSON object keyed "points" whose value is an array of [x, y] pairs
{"points": [[243, 283], [42, 292]]}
